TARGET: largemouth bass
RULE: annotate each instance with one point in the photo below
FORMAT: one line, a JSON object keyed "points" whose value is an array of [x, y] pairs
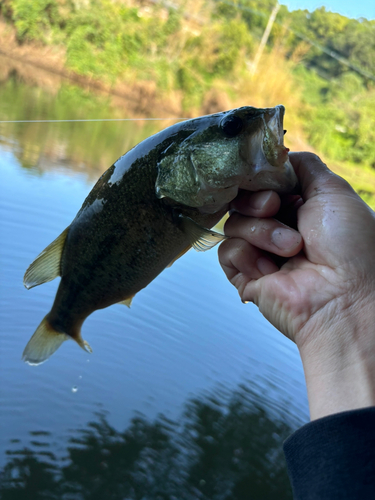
{"points": [[152, 205]]}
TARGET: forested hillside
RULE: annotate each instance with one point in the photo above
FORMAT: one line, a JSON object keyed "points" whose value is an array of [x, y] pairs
{"points": [[200, 54]]}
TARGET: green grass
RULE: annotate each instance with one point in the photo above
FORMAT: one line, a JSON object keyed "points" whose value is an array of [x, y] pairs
{"points": [[362, 179]]}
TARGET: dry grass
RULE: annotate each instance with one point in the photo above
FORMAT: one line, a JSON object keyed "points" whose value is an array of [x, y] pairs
{"points": [[273, 84]]}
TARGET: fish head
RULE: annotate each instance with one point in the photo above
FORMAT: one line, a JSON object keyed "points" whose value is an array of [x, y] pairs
{"points": [[238, 149]]}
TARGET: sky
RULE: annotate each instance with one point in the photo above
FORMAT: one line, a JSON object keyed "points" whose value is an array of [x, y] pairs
{"points": [[348, 8]]}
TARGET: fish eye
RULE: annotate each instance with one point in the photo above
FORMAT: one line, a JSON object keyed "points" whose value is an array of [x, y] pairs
{"points": [[231, 125]]}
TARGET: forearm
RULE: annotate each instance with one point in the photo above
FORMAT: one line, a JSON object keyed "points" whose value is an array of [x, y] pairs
{"points": [[340, 390], [340, 365]]}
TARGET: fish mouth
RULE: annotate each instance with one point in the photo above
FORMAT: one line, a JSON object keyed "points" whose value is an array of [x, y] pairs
{"points": [[273, 141], [268, 157]]}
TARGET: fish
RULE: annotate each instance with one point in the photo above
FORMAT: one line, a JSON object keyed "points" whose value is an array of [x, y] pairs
{"points": [[151, 206]]}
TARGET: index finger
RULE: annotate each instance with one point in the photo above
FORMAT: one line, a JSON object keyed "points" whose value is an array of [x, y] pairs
{"points": [[256, 204]]}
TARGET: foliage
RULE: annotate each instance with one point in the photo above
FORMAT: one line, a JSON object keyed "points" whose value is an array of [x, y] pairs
{"points": [[34, 20], [121, 40], [325, 75], [344, 38], [341, 116]]}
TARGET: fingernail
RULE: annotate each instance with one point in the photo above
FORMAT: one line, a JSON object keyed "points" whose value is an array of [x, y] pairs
{"points": [[285, 239], [258, 200]]}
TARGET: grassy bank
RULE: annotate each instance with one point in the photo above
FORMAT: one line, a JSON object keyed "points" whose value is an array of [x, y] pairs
{"points": [[195, 58], [361, 178]]}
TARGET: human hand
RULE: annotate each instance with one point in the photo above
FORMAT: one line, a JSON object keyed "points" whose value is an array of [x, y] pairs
{"points": [[323, 296]]}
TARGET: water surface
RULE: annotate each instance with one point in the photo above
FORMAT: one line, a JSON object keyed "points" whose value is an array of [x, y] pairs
{"points": [[189, 394]]}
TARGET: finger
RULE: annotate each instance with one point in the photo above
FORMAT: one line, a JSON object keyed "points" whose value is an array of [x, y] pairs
{"points": [[315, 177], [291, 201], [288, 213], [266, 234], [242, 262], [259, 204]]}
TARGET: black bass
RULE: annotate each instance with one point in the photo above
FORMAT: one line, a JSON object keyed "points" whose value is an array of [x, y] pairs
{"points": [[152, 205]]}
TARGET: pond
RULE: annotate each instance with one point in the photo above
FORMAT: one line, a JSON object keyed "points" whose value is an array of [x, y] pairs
{"points": [[189, 394]]}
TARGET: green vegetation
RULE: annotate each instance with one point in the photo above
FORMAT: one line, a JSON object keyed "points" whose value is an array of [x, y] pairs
{"points": [[342, 114], [321, 65]]}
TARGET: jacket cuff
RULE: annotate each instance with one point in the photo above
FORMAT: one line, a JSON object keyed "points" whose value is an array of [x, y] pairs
{"points": [[334, 457]]}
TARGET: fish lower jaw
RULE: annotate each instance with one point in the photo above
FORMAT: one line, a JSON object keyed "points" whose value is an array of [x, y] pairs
{"points": [[214, 199], [272, 143], [275, 124], [280, 179], [214, 208]]}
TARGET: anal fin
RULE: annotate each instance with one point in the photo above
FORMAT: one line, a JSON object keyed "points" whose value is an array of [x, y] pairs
{"points": [[127, 302]]}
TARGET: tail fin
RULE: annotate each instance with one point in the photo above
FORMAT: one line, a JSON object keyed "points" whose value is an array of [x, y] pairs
{"points": [[43, 344], [46, 341]]}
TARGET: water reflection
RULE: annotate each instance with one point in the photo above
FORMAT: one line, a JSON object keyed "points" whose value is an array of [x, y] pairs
{"points": [[223, 448], [90, 147]]}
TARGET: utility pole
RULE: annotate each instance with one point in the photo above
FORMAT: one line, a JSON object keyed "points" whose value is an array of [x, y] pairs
{"points": [[266, 34]]}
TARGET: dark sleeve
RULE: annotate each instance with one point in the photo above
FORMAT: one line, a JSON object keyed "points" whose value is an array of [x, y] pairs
{"points": [[334, 457]]}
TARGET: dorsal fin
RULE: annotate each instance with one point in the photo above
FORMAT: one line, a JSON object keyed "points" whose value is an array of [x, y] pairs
{"points": [[201, 238], [46, 266]]}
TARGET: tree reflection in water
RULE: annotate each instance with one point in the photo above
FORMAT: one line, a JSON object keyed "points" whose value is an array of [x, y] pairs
{"points": [[221, 450]]}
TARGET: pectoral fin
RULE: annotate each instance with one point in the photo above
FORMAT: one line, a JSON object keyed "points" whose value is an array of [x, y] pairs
{"points": [[46, 266], [201, 238]]}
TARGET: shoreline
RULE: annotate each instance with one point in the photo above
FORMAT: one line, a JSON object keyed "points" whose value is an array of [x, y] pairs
{"points": [[141, 97]]}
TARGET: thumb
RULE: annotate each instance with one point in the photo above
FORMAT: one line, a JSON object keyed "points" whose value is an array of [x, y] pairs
{"points": [[315, 177]]}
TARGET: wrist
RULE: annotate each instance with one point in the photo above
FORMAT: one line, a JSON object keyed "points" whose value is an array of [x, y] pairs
{"points": [[339, 362]]}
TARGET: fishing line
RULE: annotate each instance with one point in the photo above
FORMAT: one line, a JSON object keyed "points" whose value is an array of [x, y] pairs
{"points": [[92, 120]]}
